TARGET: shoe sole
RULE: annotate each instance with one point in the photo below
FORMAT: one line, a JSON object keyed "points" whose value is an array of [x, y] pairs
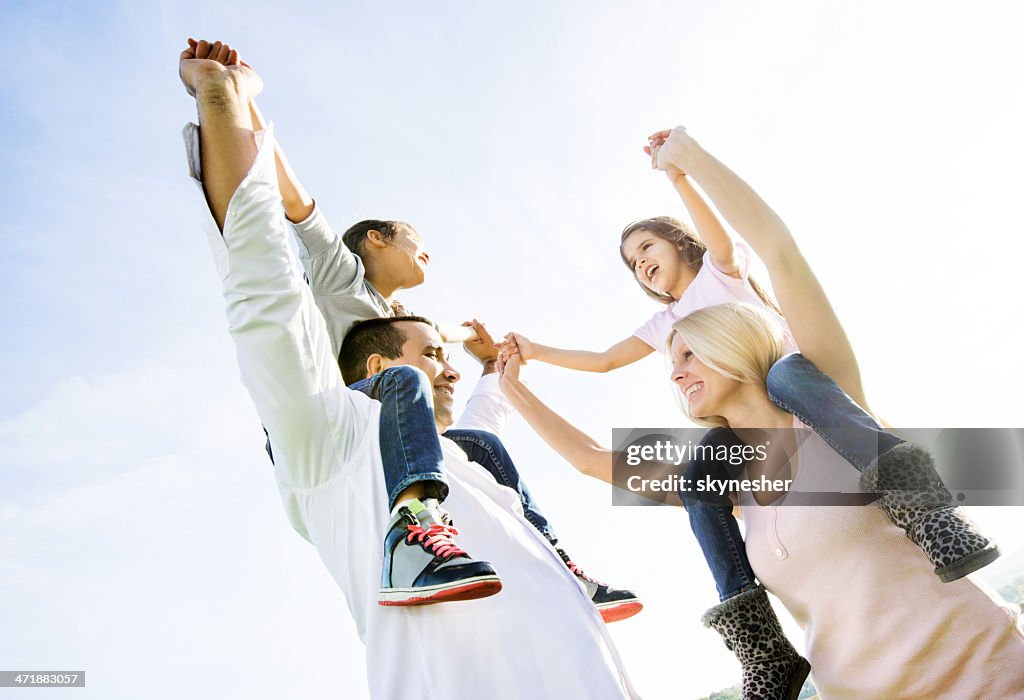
{"points": [[619, 610], [969, 564], [796, 681], [468, 589]]}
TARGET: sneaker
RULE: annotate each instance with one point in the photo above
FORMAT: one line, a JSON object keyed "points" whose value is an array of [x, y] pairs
{"points": [[424, 565], [612, 603]]}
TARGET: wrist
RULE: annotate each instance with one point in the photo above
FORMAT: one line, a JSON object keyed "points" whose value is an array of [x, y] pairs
{"points": [[539, 352], [512, 387]]}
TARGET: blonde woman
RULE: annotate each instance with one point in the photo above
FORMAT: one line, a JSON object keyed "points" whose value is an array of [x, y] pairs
{"points": [[879, 623]]}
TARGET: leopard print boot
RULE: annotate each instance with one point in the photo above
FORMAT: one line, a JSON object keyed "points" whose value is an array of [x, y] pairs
{"points": [[916, 500], [772, 669]]}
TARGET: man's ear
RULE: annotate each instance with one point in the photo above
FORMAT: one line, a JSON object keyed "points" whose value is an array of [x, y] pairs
{"points": [[375, 364]]}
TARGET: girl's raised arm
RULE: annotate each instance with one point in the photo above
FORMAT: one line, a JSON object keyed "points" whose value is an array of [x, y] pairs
{"points": [[705, 221], [810, 316], [298, 205]]}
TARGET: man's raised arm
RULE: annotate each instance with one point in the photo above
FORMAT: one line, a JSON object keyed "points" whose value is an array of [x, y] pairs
{"points": [[283, 349]]}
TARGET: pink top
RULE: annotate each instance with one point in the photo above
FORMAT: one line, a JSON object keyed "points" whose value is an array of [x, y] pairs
{"points": [[878, 622], [711, 286]]}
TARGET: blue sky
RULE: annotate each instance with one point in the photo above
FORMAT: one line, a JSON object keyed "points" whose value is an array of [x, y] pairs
{"points": [[139, 525]]}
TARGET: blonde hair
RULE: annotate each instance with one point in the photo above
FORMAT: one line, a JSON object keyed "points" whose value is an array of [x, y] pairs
{"points": [[739, 341]]}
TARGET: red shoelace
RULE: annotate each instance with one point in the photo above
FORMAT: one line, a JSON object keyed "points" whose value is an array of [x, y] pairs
{"points": [[573, 567], [438, 539]]}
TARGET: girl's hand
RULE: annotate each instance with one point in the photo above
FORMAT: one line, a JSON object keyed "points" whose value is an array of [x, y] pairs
{"points": [[517, 343], [654, 144], [667, 149], [672, 171]]}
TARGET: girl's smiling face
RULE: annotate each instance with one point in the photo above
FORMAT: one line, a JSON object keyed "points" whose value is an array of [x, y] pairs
{"points": [[655, 261]]}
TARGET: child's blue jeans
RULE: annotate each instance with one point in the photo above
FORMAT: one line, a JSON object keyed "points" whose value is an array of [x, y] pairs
{"points": [[411, 450], [798, 387]]}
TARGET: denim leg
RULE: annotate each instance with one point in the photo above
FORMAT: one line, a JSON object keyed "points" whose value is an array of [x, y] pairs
{"points": [[409, 444], [487, 450], [798, 387], [713, 523]]}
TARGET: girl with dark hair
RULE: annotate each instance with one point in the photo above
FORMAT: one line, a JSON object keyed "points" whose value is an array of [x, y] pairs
{"points": [[676, 266]]}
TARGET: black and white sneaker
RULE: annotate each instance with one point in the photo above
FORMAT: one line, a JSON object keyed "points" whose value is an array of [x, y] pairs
{"points": [[613, 604], [424, 565]]}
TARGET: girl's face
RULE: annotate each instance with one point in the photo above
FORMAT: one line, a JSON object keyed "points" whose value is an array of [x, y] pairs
{"points": [[655, 261], [408, 259], [704, 389]]}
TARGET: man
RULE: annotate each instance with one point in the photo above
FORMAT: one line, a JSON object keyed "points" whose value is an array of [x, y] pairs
{"points": [[540, 636], [354, 278], [373, 352]]}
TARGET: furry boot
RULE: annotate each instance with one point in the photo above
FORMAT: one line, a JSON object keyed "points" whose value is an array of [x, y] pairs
{"points": [[916, 500], [772, 670]]}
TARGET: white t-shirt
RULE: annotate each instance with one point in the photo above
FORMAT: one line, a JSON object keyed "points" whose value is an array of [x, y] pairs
{"points": [[711, 286], [540, 637]]}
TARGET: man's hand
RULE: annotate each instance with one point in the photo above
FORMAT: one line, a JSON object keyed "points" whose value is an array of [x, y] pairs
{"points": [[482, 347], [202, 58]]}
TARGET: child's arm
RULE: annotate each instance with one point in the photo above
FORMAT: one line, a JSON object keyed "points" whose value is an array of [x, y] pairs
{"points": [[298, 205], [334, 273], [806, 308], [705, 221], [708, 227], [623, 353], [457, 334]]}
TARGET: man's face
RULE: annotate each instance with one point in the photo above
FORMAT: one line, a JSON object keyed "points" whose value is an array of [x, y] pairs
{"points": [[424, 350]]}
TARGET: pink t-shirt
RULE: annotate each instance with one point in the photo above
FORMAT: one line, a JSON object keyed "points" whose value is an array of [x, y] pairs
{"points": [[878, 622], [711, 286]]}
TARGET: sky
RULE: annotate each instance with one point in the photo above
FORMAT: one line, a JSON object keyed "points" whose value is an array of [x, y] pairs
{"points": [[142, 539]]}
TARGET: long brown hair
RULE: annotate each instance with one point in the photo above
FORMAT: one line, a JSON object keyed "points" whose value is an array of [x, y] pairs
{"points": [[691, 252]]}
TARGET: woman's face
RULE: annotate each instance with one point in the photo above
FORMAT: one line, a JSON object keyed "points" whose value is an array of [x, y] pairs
{"points": [[705, 390], [655, 261]]}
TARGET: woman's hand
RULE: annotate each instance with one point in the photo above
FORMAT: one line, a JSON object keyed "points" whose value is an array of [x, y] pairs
{"points": [[662, 159], [517, 343], [509, 366]]}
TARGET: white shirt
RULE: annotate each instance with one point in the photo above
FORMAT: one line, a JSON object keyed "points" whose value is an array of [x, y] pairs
{"points": [[540, 637], [337, 278], [710, 287]]}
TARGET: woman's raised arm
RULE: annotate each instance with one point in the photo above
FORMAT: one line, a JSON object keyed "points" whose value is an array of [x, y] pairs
{"points": [[813, 322]]}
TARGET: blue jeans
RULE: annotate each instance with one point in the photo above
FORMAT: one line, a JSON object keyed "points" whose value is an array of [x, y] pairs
{"points": [[713, 523], [486, 450], [409, 445], [798, 387], [411, 450]]}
